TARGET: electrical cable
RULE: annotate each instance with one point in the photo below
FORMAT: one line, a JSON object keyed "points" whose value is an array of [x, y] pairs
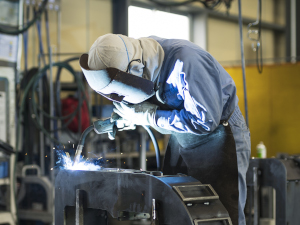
{"points": [[70, 116], [84, 134], [36, 108], [33, 84], [58, 102], [259, 60], [25, 40], [156, 147], [41, 48], [29, 24], [57, 84]]}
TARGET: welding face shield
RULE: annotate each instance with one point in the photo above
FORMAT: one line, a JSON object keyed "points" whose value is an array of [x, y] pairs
{"points": [[117, 85]]}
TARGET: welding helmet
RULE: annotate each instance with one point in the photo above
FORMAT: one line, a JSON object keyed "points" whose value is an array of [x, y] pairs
{"points": [[123, 68], [117, 85]]}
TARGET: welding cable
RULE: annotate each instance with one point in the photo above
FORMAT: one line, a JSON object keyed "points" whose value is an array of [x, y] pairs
{"points": [[41, 9], [156, 147], [25, 39], [49, 61], [69, 116], [84, 134], [41, 48], [58, 101], [32, 84], [57, 85], [47, 33]]}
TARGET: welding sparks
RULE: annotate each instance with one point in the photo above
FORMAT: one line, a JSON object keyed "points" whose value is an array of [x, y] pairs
{"points": [[81, 164]]}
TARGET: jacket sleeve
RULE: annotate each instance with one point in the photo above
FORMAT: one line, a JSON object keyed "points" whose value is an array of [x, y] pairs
{"points": [[197, 79]]}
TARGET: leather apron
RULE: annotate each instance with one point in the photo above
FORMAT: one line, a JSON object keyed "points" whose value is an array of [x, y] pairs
{"points": [[211, 159]]}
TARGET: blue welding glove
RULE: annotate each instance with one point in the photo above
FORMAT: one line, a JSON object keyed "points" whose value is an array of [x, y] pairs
{"points": [[139, 114], [122, 124]]}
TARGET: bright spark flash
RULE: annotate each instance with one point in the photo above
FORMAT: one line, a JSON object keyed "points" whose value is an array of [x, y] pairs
{"points": [[82, 164]]}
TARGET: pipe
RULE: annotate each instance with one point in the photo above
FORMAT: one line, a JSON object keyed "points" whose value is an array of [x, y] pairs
{"points": [[243, 62]]}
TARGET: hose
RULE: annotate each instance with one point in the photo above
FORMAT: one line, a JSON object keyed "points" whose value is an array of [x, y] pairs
{"points": [[84, 134], [70, 116], [33, 84], [41, 48], [25, 40], [156, 147], [147, 128]]}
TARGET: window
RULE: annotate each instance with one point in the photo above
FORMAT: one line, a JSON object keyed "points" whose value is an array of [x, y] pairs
{"points": [[146, 22]]}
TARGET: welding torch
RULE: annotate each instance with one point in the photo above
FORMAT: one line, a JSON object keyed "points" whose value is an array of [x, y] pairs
{"points": [[100, 127], [110, 126]]}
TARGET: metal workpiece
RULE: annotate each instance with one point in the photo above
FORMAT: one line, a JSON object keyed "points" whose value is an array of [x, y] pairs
{"points": [[133, 195]]}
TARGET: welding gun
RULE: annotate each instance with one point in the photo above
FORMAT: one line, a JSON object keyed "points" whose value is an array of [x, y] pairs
{"points": [[100, 127], [110, 126]]}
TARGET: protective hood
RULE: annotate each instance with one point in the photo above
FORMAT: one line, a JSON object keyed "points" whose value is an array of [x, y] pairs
{"points": [[117, 85], [142, 57]]}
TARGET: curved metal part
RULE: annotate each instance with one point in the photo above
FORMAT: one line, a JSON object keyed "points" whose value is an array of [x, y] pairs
{"points": [[117, 85], [29, 214], [121, 191], [31, 167]]}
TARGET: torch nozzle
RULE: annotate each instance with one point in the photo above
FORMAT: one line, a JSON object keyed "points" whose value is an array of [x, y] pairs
{"points": [[77, 154]]}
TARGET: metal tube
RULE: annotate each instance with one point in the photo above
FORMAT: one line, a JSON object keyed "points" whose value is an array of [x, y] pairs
{"points": [[51, 112], [143, 165], [79, 208], [118, 150], [293, 32], [243, 61]]}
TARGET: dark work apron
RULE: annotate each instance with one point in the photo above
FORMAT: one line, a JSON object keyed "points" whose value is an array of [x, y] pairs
{"points": [[209, 158]]}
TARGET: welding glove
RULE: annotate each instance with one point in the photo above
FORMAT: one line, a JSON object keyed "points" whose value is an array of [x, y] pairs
{"points": [[139, 114], [121, 123]]}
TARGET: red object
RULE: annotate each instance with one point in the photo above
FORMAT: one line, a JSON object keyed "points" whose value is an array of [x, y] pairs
{"points": [[69, 105]]}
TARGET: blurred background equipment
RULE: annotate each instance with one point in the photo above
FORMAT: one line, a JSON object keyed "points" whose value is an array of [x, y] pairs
{"points": [[273, 190], [7, 199]]}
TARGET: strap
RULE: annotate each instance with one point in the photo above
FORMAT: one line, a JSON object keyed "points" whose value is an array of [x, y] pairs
{"points": [[225, 122]]}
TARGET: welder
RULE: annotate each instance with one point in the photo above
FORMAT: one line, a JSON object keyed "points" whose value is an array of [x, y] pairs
{"points": [[194, 100]]}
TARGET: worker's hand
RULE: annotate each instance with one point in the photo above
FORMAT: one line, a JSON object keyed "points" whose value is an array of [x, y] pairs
{"points": [[122, 124], [139, 114]]}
